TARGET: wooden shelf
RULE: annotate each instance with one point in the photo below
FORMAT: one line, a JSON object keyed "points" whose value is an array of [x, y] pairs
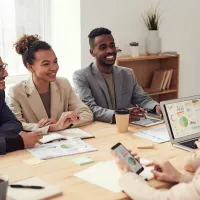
{"points": [[144, 68], [163, 92], [155, 57]]}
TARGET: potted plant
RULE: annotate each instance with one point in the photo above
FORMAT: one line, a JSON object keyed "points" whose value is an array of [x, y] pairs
{"points": [[152, 21], [134, 49]]}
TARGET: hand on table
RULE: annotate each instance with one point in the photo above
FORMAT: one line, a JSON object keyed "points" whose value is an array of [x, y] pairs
{"points": [[158, 111], [166, 172], [45, 122], [136, 113], [66, 119]]}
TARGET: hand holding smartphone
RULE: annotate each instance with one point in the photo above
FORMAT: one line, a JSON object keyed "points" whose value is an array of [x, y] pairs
{"points": [[124, 154]]}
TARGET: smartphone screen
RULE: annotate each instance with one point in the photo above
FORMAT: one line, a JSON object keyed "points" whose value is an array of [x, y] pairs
{"points": [[123, 154]]}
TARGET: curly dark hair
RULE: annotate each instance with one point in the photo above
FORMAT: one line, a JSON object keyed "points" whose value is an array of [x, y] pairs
{"points": [[28, 45], [97, 32]]}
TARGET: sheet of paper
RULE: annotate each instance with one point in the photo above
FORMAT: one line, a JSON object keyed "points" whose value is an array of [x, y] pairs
{"points": [[61, 148], [158, 135], [33, 161], [74, 133], [51, 137], [103, 174], [107, 175]]}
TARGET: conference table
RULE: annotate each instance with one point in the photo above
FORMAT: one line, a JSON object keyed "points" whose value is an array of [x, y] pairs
{"points": [[61, 170]]}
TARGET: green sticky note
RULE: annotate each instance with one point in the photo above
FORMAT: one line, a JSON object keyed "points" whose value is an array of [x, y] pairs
{"points": [[82, 160]]}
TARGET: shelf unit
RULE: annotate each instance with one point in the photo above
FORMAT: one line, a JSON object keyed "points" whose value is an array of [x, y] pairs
{"points": [[144, 66]]}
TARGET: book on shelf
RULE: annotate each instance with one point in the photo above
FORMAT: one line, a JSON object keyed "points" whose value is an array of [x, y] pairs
{"points": [[158, 80], [161, 81], [170, 78], [166, 79], [169, 53]]}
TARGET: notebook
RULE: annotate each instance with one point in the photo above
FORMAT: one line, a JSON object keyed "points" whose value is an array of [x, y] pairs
{"points": [[48, 192], [66, 134]]}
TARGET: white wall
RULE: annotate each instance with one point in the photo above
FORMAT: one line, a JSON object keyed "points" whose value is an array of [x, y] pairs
{"points": [[65, 35], [180, 31]]}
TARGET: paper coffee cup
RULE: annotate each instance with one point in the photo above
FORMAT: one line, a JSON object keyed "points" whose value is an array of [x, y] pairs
{"points": [[3, 186], [122, 120]]}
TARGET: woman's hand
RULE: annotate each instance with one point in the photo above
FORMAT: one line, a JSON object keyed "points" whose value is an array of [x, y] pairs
{"points": [[45, 122], [166, 172], [66, 119], [124, 168]]}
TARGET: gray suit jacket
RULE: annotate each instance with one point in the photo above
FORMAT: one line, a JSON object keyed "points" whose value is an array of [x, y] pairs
{"points": [[92, 89]]}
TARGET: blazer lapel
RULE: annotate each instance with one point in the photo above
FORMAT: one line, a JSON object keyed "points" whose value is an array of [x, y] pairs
{"points": [[118, 80], [98, 77], [55, 100], [34, 100]]}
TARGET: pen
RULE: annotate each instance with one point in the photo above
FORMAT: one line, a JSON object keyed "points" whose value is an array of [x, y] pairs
{"points": [[27, 186], [143, 113]]}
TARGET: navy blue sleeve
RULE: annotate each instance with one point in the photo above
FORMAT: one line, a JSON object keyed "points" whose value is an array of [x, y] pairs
{"points": [[9, 125], [2, 145]]}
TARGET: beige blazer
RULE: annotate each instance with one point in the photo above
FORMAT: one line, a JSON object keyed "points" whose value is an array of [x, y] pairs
{"points": [[187, 189], [25, 102]]}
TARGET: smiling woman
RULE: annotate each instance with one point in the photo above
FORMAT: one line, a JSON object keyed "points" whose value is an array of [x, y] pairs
{"points": [[44, 102]]}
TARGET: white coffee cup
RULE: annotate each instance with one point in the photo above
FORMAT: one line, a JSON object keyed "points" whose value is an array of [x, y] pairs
{"points": [[122, 120], [3, 186]]}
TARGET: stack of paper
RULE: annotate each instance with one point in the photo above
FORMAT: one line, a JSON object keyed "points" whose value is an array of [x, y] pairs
{"points": [[107, 175], [62, 148], [158, 135]]}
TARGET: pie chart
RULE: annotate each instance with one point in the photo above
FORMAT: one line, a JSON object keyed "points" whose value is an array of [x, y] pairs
{"points": [[131, 161], [183, 121]]}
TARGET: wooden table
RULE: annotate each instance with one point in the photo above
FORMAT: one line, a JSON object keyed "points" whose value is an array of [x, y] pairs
{"points": [[61, 170]]}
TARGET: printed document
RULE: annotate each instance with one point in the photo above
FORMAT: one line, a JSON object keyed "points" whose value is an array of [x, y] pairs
{"points": [[158, 135], [62, 148]]}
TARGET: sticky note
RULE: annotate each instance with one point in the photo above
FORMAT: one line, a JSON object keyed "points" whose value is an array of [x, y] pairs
{"points": [[82, 160], [33, 161]]}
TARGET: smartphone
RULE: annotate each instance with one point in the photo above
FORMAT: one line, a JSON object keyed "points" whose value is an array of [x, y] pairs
{"points": [[123, 154]]}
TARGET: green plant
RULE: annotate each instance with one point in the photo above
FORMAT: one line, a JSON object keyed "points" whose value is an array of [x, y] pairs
{"points": [[152, 18]]}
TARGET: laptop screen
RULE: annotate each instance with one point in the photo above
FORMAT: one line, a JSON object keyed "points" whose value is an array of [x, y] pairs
{"points": [[184, 117]]}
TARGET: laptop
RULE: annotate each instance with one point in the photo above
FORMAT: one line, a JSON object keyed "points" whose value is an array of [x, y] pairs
{"points": [[182, 118]]}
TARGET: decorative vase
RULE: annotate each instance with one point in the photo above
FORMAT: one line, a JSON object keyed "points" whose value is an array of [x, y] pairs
{"points": [[134, 51], [153, 43]]}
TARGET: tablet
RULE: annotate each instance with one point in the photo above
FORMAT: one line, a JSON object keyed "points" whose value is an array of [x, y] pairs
{"points": [[149, 121]]}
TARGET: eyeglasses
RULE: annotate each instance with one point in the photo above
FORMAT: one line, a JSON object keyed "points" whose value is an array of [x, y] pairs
{"points": [[3, 67]]}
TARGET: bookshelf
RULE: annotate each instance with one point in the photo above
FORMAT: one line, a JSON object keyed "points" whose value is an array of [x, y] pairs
{"points": [[144, 67]]}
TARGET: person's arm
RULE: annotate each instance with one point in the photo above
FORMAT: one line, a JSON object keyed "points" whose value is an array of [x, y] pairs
{"points": [[10, 126], [85, 94], [82, 110], [136, 188], [9, 144], [15, 107], [140, 97]]}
